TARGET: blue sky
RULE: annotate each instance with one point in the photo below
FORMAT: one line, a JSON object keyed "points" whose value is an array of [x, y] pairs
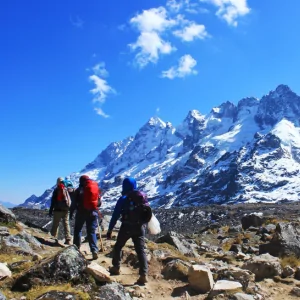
{"points": [[77, 75]]}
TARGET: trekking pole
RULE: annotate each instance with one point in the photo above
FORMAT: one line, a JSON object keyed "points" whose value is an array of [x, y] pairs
{"points": [[101, 242]]}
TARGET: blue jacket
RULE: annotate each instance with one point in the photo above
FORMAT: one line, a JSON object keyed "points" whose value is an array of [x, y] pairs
{"points": [[129, 184]]}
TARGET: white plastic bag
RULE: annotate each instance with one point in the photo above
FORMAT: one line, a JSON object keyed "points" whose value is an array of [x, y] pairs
{"points": [[154, 226]]}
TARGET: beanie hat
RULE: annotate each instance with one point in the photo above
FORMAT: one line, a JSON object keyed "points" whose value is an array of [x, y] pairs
{"points": [[83, 179]]}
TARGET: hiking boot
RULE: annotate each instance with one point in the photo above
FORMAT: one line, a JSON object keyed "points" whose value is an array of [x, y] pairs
{"points": [[142, 279], [95, 255], [68, 242], [114, 271]]}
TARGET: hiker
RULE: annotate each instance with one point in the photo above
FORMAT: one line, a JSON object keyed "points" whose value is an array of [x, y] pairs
{"points": [[60, 205], [70, 187], [87, 201], [135, 211]]}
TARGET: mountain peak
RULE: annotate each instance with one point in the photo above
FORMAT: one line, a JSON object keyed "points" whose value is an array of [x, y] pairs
{"points": [[283, 89], [225, 110], [156, 121]]}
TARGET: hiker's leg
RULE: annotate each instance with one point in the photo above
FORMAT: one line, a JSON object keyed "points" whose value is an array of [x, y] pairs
{"points": [[66, 224], [55, 223], [123, 237], [91, 228], [138, 238], [79, 222]]}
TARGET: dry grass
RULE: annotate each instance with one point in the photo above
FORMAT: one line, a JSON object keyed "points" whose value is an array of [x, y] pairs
{"points": [[291, 261], [247, 235], [10, 258], [225, 228], [40, 290], [227, 245]]}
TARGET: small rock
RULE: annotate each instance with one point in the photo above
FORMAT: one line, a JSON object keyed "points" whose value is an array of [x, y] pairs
{"points": [[288, 271], [224, 286], [296, 291], [241, 296], [2, 297], [36, 257], [113, 291], [200, 278], [4, 232], [98, 272], [176, 269]]}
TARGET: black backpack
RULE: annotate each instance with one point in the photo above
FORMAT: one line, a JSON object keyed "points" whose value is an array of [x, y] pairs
{"points": [[136, 209]]}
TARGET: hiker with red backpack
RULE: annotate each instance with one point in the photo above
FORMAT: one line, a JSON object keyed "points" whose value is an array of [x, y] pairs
{"points": [[135, 212], [60, 206], [87, 202]]}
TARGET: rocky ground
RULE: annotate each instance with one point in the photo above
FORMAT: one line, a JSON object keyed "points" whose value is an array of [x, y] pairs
{"points": [[240, 252]]}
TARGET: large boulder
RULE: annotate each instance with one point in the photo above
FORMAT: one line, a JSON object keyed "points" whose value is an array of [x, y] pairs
{"points": [[113, 291], [17, 242], [200, 278], [4, 271], [65, 266], [176, 269], [57, 295], [236, 273], [253, 219], [180, 243], [263, 266], [2, 297], [6, 215], [285, 242]]}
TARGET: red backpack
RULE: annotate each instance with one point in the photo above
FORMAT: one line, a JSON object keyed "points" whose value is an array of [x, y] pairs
{"points": [[91, 195]]}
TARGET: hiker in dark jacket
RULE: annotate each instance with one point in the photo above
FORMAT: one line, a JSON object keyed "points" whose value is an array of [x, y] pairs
{"points": [[60, 210], [129, 229], [83, 215]]}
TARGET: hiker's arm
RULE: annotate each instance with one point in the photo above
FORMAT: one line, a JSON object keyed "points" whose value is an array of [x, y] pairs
{"points": [[116, 214], [74, 203], [53, 199]]}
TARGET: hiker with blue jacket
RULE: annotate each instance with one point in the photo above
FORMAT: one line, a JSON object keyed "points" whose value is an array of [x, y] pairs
{"points": [[135, 212]]}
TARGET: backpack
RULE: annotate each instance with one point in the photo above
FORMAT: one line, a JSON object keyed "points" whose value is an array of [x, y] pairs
{"points": [[63, 198], [91, 193], [135, 209]]}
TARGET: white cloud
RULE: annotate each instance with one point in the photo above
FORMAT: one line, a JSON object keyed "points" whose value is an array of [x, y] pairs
{"points": [[154, 19], [151, 24], [102, 89], [185, 67], [175, 6], [191, 32], [100, 70], [150, 45], [230, 10], [76, 21], [100, 112]]}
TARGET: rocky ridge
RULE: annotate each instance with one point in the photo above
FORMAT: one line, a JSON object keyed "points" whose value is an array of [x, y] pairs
{"points": [[249, 152]]}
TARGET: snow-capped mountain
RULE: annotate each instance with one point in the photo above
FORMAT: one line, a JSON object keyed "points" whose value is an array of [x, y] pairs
{"points": [[247, 152]]}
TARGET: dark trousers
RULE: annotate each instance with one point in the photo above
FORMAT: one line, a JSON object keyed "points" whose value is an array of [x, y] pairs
{"points": [[137, 234], [90, 218]]}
